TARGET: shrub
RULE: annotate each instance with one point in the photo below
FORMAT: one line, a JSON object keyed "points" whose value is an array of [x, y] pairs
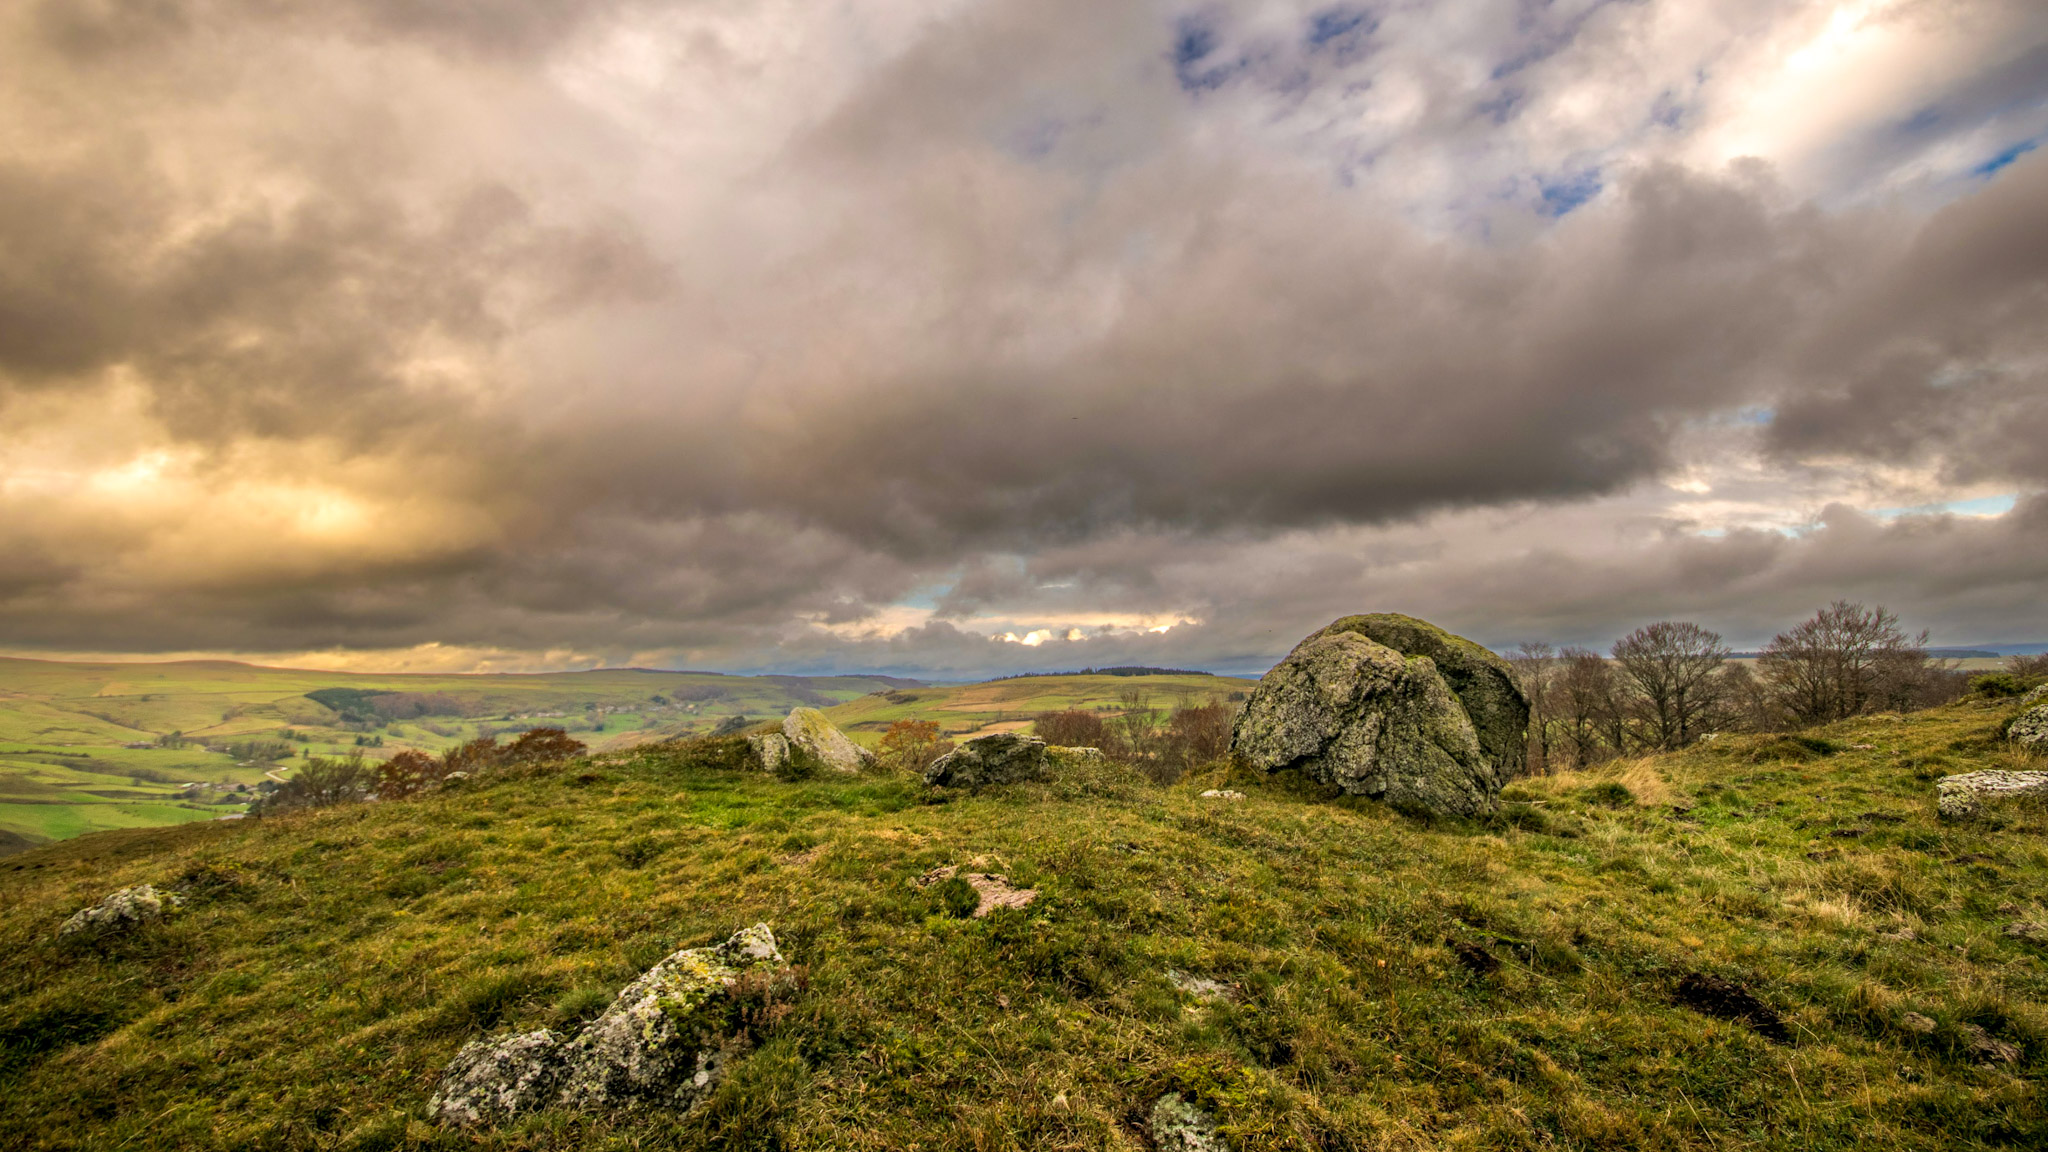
{"points": [[541, 746], [1998, 685], [912, 745], [1072, 728], [319, 783]]}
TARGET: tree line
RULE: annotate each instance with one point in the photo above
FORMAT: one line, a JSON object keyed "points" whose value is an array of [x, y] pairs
{"points": [[1668, 684]]}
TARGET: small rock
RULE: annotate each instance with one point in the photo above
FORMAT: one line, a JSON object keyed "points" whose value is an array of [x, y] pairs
{"points": [[1862, 747], [1915, 1022], [1222, 794], [770, 749], [122, 913], [1180, 1126], [1000, 758], [2008, 909], [1962, 796], [1985, 1046], [1901, 935], [492, 1080], [1201, 987], [2027, 930], [2038, 694]]}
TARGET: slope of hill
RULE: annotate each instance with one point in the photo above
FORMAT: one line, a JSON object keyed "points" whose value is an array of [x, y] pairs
{"points": [[965, 710], [1380, 982], [68, 731]]}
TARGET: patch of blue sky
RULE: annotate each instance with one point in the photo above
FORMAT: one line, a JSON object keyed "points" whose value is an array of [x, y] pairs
{"points": [[1982, 506], [1562, 194], [1340, 27], [1194, 45], [2004, 159]]}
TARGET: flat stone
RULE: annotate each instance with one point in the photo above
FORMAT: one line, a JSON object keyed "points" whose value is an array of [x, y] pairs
{"points": [[1222, 794], [1962, 796], [999, 758]]}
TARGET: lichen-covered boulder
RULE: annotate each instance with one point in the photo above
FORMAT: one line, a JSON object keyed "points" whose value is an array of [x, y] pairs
{"points": [[2030, 729], [999, 758], [2038, 694], [664, 1041], [121, 913], [1483, 682], [1353, 713], [1180, 1126], [667, 1037], [1963, 796], [490, 1080], [810, 735]]}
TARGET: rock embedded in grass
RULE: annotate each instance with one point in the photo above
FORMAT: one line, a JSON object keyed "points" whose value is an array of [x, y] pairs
{"points": [[1178, 1125], [665, 1041], [2030, 729], [1351, 712], [121, 913], [999, 758], [808, 736], [1962, 796]]}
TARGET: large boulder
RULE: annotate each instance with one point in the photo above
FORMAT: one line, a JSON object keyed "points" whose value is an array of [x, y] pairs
{"points": [[1356, 714], [1963, 796], [665, 1041], [121, 913], [811, 735], [999, 758], [1482, 681]]}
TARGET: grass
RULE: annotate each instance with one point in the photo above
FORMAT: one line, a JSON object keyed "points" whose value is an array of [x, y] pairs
{"points": [[328, 964]]}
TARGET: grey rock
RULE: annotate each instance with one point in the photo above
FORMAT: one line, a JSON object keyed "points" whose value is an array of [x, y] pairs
{"points": [[1915, 1022], [1001, 758], [2030, 730], [665, 1041], [2027, 930], [662, 1040], [1354, 713], [1483, 682], [1222, 794], [122, 913], [1962, 796], [2038, 694], [1180, 1126], [491, 1080], [771, 750], [1986, 1047]]}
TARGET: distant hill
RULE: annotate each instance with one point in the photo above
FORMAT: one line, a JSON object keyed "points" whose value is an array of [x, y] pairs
{"points": [[94, 745]]}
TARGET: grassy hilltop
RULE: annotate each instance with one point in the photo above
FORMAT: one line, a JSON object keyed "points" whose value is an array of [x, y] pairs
{"points": [[1393, 983]]}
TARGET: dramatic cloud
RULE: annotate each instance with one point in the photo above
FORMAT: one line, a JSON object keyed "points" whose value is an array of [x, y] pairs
{"points": [[965, 337]]}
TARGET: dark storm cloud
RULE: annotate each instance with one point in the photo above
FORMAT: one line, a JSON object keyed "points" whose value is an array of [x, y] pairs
{"points": [[502, 347]]}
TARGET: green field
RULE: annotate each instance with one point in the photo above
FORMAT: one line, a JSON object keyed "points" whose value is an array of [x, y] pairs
{"points": [[1389, 982], [66, 768]]}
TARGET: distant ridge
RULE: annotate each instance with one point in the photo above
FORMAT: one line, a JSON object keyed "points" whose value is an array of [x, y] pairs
{"points": [[1933, 653], [1120, 670]]}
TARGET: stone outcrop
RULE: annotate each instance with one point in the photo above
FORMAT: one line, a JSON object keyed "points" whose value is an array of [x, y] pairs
{"points": [[492, 1080], [1482, 681], [807, 736], [1001, 758], [1963, 796], [121, 913], [2038, 694], [665, 1041], [1351, 712], [2030, 729]]}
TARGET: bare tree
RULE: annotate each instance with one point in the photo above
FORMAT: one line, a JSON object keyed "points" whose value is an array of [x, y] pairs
{"points": [[1673, 667], [1588, 705], [1536, 672], [1845, 660]]}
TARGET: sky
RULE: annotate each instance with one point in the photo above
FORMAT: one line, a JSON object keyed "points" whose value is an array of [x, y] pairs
{"points": [[964, 337]]}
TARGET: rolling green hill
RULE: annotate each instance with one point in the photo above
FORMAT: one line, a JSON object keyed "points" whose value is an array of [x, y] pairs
{"points": [[67, 764], [1380, 981]]}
